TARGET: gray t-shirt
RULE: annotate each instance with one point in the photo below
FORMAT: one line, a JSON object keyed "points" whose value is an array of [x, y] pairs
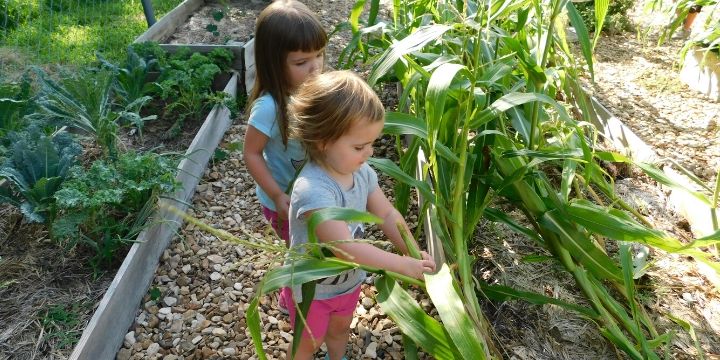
{"points": [[314, 189]]}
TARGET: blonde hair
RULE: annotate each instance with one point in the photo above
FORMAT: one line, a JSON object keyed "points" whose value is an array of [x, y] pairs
{"points": [[282, 27], [326, 107]]}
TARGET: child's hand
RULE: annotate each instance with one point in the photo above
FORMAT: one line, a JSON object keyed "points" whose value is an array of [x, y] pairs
{"points": [[282, 205], [416, 267]]}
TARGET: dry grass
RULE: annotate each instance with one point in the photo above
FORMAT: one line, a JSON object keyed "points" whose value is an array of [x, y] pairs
{"points": [[46, 294]]}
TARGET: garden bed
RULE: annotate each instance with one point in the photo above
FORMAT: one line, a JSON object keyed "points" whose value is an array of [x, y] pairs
{"points": [[48, 293]]}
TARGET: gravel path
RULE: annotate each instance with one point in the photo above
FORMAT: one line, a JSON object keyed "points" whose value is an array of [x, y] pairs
{"points": [[205, 285], [638, 82]]}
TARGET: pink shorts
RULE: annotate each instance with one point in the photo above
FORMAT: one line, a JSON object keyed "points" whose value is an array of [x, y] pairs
{"points": [[281, 228], [321, 310]]}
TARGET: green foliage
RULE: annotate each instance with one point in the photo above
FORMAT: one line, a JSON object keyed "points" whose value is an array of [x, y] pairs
{"points": [[149, 51], [186, 83], [82, 101], [106, 206], [72, 31], [617, 19], [36, 166], [131, 79], [62, 323], [14, 13], [15, 102]]}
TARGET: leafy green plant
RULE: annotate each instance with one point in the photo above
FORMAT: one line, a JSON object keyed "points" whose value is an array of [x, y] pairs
{"points": [[104, 207], [62, 324], [36, 166], [131, 80], [84, 102], [186, 83], [617, 19], [15, 102]]}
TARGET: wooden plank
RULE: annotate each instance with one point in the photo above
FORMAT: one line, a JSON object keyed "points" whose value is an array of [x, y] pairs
{"points": [[170, 22], [249, 78], [237, 50], [621, 136], [106, 330]]}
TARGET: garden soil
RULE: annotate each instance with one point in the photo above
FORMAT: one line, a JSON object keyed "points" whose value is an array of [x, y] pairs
{"points": [[202, 288]]}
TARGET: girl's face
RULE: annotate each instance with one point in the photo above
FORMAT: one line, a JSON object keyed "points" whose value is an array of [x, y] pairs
{"points": [[346, 154], [301, 65]]}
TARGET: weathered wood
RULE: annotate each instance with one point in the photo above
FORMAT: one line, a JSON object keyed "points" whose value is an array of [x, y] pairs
{"points": [[621, 136], [702, 73], [237, 50], [167, 25], [249, 78], [105, 332]]}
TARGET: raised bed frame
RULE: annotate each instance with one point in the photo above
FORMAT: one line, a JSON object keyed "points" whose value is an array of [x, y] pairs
{"points": [[106, 330], [169, 23]]}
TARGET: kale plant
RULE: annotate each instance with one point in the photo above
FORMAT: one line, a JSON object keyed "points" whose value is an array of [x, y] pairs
{"points": [[84, 101], [105, 207], [36, 166], [187, 84]]}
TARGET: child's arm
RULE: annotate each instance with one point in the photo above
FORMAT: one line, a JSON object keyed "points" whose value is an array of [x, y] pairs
{"points": [[255, 142], [368, 254]]}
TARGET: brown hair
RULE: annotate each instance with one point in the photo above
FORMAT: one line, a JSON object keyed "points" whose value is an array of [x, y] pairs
{"points": [[326, 106], [282, 27]]}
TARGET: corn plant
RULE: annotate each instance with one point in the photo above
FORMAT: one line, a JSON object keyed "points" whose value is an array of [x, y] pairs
{"points": [[486, 91]]}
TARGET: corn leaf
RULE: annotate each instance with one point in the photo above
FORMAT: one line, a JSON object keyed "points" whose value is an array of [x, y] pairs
{"points": [[454, 316], [412, 321], [302, 271], [581, 247], [388, 167], [505, 293], [413, 42]]}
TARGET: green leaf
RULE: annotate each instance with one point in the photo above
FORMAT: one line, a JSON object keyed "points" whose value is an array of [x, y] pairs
{"points": [[583, 35], [397, 123], [581, 248], [388, 167], [505, 293], [301, 271], [659, 176], [412, 321], [396, 51], [454, 315], [211, 28], [218, 15]]}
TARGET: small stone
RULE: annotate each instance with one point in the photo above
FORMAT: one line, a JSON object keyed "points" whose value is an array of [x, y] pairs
{"points": [[123, 354], [215, 276], [169, 301], [368, 302], [238, 286], [152, 349], [286, 335], [229, 351], [129, 339], [196, 339], [273, 320], [219, 332], [371, 350]]}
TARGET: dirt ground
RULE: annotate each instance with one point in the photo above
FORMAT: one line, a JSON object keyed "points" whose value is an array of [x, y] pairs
{"points": [[39, 290]]}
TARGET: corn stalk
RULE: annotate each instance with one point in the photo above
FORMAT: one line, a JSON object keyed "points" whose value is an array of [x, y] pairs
{"points": [[486, 87]]}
